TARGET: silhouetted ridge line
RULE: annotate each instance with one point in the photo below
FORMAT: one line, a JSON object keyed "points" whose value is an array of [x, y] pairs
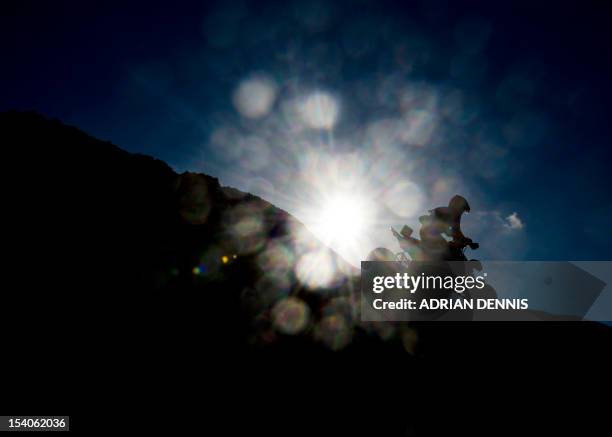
{"points": [[144, 239]]}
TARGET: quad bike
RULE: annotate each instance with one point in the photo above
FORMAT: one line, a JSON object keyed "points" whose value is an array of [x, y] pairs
{"points": [[417, 258], [414, 250]]}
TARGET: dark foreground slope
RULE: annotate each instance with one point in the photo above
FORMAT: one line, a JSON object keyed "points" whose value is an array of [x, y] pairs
{"points": [[125, 278]]}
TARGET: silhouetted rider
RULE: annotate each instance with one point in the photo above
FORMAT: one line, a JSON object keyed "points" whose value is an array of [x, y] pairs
{"points": [[451, 216], [446, 220]]}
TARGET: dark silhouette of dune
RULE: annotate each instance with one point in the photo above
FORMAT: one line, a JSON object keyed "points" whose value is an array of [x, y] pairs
{"points": [[149, 282]]}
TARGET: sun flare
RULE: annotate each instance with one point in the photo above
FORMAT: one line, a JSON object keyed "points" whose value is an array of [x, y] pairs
{"points": [[341, 219]]}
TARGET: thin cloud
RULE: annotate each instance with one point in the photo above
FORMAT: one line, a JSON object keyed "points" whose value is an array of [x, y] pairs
{"points": [[514, 222]]}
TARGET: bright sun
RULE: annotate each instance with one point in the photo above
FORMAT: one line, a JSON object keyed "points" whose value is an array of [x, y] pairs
{"points": [[338, 205], [341, 219]]}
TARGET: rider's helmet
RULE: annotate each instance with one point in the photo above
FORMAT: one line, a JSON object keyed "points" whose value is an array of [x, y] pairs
{"points": [[406, 231], [459, 203]]}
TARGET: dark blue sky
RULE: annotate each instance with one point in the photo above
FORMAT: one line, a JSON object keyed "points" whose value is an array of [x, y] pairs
{"points": [[506, 103]]}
